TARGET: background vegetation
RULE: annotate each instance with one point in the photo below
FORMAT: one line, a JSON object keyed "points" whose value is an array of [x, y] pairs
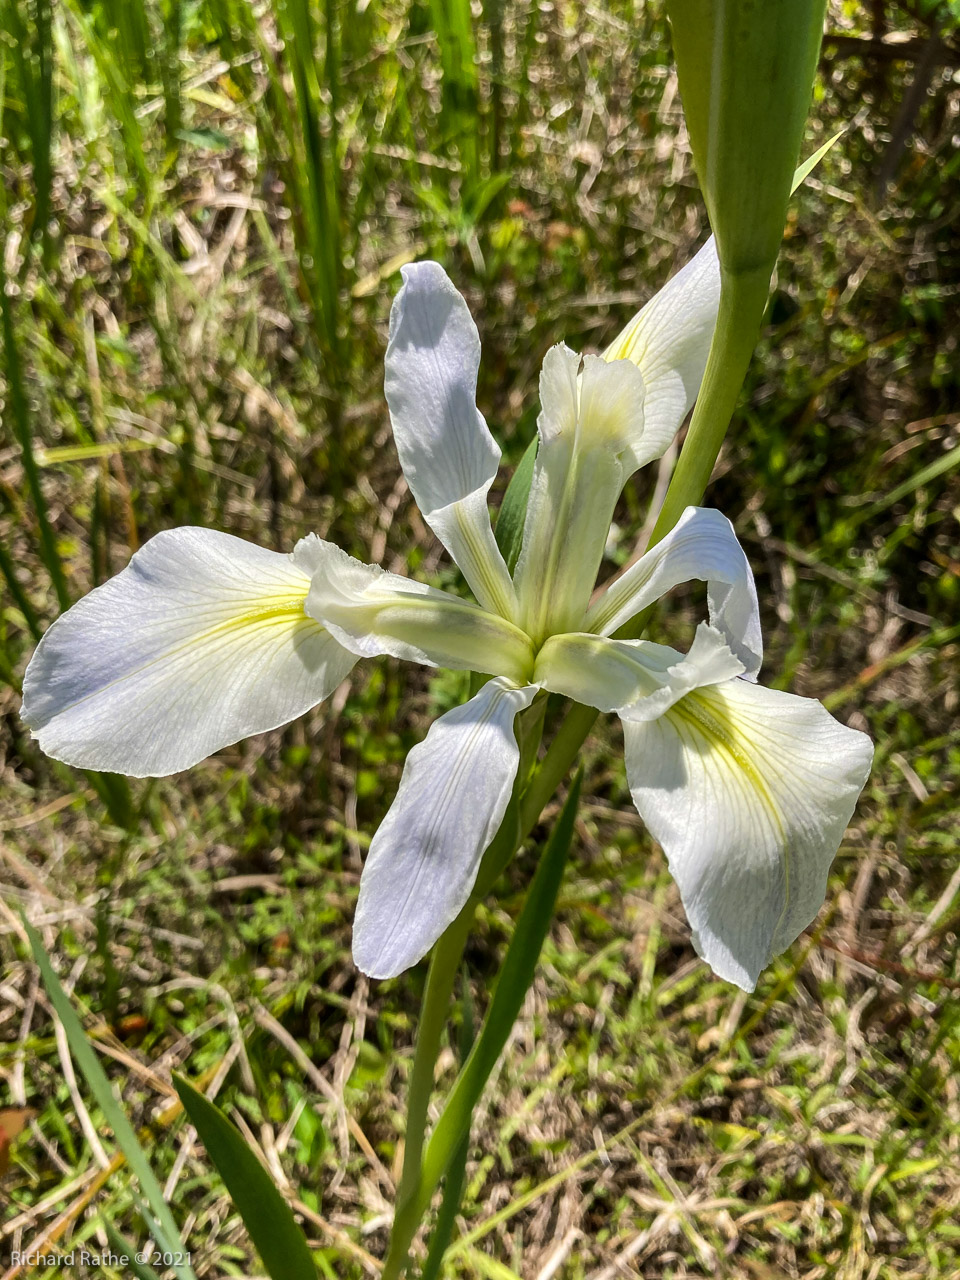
{"points": [[206, 204]]}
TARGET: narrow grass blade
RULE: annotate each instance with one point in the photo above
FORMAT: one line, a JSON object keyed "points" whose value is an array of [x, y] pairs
{"points": [[117, 62], [172, 15], [60, 455], [162, 1226], [460, 92], [31, 52], [804, 170], [20, 420], [493, 17], [266, 1215], [8, 569], [124, 1249], [320, 255], [513, 508], [940, 466], [488, 1268]]}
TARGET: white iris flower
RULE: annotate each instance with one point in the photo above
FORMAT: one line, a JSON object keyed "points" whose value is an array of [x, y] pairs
{"points": [[204, 639]]}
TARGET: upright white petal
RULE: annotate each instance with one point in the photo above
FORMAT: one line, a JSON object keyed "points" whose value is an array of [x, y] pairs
{"points": [[372, 612], [559, 395], [749, 792], [447, 453], [424, 859], [702, 546], [590, 423], [636, 678], [669, 340], [200, 641]]}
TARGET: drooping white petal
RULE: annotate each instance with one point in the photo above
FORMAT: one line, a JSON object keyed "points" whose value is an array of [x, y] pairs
{"points": [[638, 679], [447, 453], [669, 340], [200, 641], [589, 425], [702, 546], [749, 792], [372, 612], [424, 859]]}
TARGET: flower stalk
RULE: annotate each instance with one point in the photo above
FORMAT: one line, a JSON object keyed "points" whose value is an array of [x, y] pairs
{"points": [[441, 979], [743, 297]]}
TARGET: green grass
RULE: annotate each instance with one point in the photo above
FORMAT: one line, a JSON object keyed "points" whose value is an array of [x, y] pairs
{"points": [[191, 350]]}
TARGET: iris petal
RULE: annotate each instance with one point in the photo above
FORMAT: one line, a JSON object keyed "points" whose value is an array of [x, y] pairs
{"points": [[200, 641], [424, 859], [749, 791], [448, 455]]}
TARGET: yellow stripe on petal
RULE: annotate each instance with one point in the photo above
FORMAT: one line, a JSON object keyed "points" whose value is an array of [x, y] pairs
{"points": [[749, 792], [200, 641], [705, 717], [669, 340]]}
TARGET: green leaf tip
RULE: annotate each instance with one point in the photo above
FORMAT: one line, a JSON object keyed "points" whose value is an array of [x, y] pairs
{"points": [[265, 1213]]}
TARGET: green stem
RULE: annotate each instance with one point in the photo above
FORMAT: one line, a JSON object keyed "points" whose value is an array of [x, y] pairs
{"points": [[444, 966], [554, 766], [742, 301]]}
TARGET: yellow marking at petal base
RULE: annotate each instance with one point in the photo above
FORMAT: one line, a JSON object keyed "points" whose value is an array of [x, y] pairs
{"points": [[719, 728], [285, 610], [287, 615], [626, 346], [276, 610]]}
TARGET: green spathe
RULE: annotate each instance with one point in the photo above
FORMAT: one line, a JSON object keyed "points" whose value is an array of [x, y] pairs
{"points": [[746, 68]]}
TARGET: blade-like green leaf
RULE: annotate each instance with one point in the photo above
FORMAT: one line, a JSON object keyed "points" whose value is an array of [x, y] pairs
{"points": [[322, 263], [19, 418], [163, 1229], [29, 46], [513, 508], [460, 113], [20, 599], [456, 1178], [266, 1215], [746, 75]]}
